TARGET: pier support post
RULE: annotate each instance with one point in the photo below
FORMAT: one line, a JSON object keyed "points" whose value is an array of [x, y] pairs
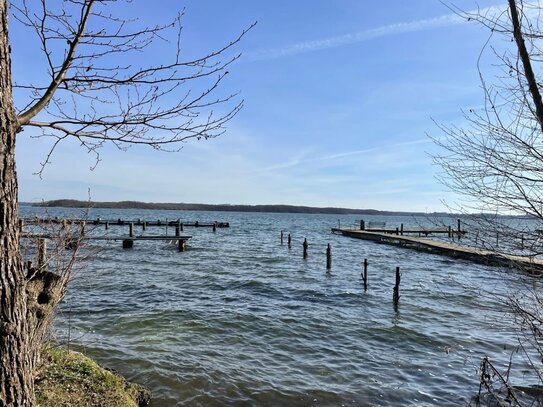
{"points": [[362, 224], [305, 245], [450, 231], [177, 230], [107, 225], [181, 226], [182, 245], [328, 257], [128, 243], [401, 229], [397, 231], [281, 237], [42, 253], [365, 275], [214, 226], [28, 269], [131, 229], [143, 225], [21, 224], [459, 228], [396, 292], [289, 241]]}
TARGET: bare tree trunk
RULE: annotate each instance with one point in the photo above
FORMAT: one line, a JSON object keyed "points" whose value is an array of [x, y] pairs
{"points": [[526, 62], [16, 366]]}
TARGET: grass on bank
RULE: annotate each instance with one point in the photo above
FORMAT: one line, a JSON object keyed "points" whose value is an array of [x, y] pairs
{"points": [[68, 378]]}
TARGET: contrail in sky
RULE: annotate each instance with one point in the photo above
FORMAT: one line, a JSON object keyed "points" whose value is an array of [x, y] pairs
{"points": [[361, 36]]}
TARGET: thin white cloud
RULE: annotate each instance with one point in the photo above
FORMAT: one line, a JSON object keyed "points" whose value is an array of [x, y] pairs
{"points": [[361, 36], [297, 161]]}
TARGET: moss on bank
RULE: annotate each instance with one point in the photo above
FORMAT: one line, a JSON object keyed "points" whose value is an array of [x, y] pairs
{"points": [[68, 378]]}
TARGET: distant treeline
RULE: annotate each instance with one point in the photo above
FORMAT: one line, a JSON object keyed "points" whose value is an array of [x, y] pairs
{"points": [[71, 203]]}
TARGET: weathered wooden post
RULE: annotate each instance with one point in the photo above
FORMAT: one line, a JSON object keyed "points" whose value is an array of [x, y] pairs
{"points": [[396, 293], [362, 224], [181, 226], [177, 230], [365, 275], [289, 241], [143, 225], [42, 253], [305, 244], [328, 257], [401, 229], [214, 226], [450, 231], [107, 225], [21, 224], [281, 237], [131, 229], [182, 245], [497, 238], [397, 231], [522, 241], [29, 269], [128, 243], [459, 228]]}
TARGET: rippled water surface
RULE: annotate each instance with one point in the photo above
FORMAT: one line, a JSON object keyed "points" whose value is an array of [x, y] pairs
{"points": [[240, 319]]}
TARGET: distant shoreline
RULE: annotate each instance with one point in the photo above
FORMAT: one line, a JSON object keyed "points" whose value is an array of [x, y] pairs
{"points": [[71, 203]]}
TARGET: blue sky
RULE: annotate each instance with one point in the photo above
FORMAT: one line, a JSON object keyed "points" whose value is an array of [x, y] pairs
{"points": [[339, 99]]}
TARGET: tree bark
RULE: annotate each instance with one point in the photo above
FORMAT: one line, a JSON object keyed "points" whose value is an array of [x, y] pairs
{"points": [[16, 352], [526, 62]]}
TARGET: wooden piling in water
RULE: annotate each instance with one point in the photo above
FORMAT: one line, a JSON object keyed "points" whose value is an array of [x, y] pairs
{"points": [[281, 237], [365, 275], [107, 225], [143, 225], [289, 241], [214, 226], [396, 292], [131, 229], [459, 228], [42, 253], [328, 257], [128, 244], [177, 230], [182, 245], [362, 224], [305, 245], [21, 224], [450, 231], [401, 229]]}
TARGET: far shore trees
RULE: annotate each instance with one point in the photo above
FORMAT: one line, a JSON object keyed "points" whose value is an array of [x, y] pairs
{"points": [[104, 84], [495, 163]]}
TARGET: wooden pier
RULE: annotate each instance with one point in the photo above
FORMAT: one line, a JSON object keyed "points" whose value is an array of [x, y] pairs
{"points": [[455, 250], [124, 222], [127, 241]]}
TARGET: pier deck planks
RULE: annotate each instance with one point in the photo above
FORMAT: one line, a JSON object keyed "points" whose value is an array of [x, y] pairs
{"points": [[456, 250]]}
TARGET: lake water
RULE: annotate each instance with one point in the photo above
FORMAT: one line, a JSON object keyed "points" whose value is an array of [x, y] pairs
{"points": [[241, 320]]}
